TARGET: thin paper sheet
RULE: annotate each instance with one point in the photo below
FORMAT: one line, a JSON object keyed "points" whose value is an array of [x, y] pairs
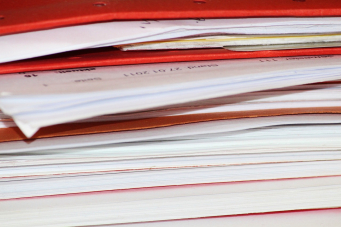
{"points": [[40, 43], [189, 131], [294, 41], [46, 98]]}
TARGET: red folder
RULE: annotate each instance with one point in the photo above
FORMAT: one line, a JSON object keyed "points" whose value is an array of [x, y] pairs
{"points": [[29, 15], [23, 16], [111, 56]]}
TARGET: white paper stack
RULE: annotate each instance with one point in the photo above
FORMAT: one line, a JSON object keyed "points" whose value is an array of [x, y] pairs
{"points": [[275, 161]]}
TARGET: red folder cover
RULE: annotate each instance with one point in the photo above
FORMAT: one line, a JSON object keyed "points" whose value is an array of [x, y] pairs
{"points": [[29, 15], [110, 56]]}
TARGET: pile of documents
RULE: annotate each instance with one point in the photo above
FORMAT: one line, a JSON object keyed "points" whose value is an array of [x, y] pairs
{"points": [[176, 142]]}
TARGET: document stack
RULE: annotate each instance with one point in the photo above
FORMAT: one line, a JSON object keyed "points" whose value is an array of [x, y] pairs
{"points": [[209, 114]]}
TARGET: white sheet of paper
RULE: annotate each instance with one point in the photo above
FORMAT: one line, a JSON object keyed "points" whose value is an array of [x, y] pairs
{"points": [[39, 43], [311, 218], [54, 97], [302, 96], [20, 212], [15, 169], [200, 130], [129, 206], [291, 140], [87, 182], [237, 41]]}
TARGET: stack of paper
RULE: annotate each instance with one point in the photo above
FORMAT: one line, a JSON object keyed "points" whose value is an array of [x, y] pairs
{"points": [[189, 133], [173, 143], [39, 43], [242, 42], [41, 99]]}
